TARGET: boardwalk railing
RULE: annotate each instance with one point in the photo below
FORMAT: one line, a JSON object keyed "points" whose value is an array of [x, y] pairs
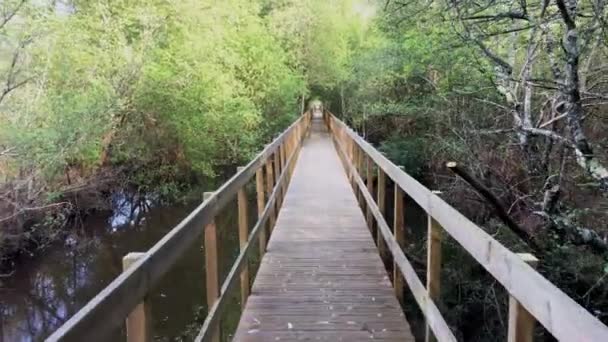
{"points": [[532, 297], [125, 297]]}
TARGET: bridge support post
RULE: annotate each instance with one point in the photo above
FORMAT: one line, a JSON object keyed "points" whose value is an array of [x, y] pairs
{"points": [[211, 268], [521, 322], [259, 188], [269, 188], [283, 168], [399, 231], [360, 172], [433, 273], [381, 198], [138, 322], [369, 177], [243, 237], [277, 174]]}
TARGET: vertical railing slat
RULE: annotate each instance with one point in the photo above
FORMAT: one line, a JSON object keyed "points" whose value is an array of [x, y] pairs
{"points": [[269, 188], [521, 322], [381, 198], [211, 267], [433, 273], [138, 322], [277, 174], [369, 177], [360, 158], [259, 189], [243, 223], [399, 231]]}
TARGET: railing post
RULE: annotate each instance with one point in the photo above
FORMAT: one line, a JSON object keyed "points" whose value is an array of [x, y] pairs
{"points": [[433, 272], [381, 199], [211, 268], [353, 160], [243, 237], [521, 322], [360, 173], [269, 188], [138, 322], [283, 168], [283, 154], [399, 231], [277, 174], [370, 188], [259, 188]]}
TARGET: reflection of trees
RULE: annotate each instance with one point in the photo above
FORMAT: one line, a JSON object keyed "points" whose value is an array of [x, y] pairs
{"points": [[43, 295], [40, 302]]}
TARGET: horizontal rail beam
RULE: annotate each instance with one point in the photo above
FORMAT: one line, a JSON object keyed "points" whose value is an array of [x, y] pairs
{"points": [[107, 310], [559, 314]]}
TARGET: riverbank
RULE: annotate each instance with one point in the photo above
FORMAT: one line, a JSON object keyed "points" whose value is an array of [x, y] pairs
{"points": [[46, 289]]}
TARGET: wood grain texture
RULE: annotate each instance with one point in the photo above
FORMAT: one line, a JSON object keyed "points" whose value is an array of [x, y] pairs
{"points": [[212, 283], [261, 202], [521, 322], [269, 187], [243, 237], [433, 268], [138, 322], [321, 278], [381, 199], [369, 167], [399, 232]]}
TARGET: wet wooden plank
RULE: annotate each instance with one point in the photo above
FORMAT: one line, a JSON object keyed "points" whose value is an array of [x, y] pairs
{"points": [[322, 278]]}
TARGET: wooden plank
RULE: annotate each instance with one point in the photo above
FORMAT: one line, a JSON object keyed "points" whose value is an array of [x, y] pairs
{"points": [[259, 188], [521, 322], [558, 313], [399, 231], [322, 278], [433, 268], [243, 237], [138, 322], [211, 268], [106, 312]]}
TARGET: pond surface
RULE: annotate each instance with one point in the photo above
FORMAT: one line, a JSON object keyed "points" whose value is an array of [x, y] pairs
{"points": [[49, 288]]}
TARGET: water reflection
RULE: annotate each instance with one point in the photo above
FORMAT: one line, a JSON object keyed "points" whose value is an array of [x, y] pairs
{"points": [[45, 291], [129, 210]]}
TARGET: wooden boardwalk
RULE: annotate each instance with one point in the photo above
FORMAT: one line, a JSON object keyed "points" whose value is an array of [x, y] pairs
{"points": [[322, 278]]}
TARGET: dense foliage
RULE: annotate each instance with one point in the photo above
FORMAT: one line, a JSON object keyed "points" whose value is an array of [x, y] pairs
{"points": [[159, 93]]}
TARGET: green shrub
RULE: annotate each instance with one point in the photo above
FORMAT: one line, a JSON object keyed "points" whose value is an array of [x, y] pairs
{"points": [[406, 151]]}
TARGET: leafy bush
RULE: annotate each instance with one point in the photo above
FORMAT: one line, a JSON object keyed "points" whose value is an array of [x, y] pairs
{"points": [[406, 151]]}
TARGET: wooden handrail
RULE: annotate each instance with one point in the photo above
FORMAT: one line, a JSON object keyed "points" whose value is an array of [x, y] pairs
{"points": [[213, 316], [430, 310], [559, 314], [107, 311]]}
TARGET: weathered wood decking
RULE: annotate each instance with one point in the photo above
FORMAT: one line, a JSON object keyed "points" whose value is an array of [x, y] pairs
{"points": [[322, 278]]}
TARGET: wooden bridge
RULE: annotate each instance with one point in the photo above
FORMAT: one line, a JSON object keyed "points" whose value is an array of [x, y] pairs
{"points": [[322, 237]]}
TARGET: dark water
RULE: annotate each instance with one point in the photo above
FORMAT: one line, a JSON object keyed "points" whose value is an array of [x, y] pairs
{"points": [[48, 289]]}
